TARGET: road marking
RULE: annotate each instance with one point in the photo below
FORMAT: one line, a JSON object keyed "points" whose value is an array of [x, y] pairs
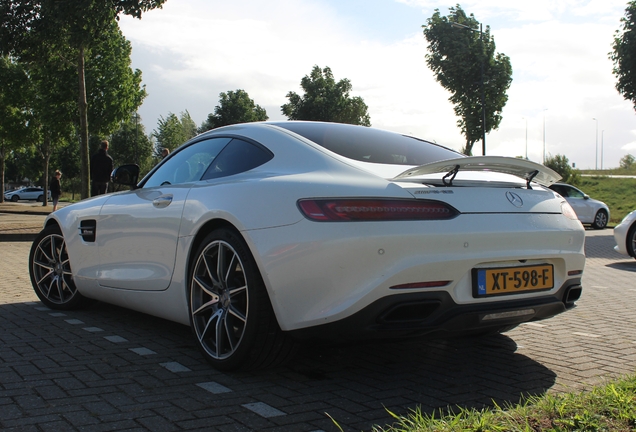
{"points": [[264, 410], [534, 324], [115, 339], [175, 367], [586, 335], [74, 321], [214, 387], [142, 351], [57, 314], [93, 329]]}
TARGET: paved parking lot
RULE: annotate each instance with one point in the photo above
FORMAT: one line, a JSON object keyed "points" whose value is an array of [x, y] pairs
{"points": [[106, 368]]}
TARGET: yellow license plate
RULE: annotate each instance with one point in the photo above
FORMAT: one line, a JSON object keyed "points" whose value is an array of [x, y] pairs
{"points": [[511, 280]]}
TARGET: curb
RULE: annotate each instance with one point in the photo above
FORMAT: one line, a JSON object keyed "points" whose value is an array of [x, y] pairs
{"points": [[26, 237]]}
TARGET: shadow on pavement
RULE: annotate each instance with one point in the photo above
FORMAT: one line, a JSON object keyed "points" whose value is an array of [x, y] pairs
{"points": [[624, 265], [354, 384], [601, 246]]}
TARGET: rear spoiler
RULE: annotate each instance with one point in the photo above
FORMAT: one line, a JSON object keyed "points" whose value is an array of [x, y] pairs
{"points": [[525, 169]]}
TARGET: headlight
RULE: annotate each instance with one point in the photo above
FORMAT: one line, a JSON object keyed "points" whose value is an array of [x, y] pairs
{"points": [[630, 215]]}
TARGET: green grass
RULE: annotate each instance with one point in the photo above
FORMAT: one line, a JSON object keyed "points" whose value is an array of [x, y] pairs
{"points": [[611, 407], [618, 193]]}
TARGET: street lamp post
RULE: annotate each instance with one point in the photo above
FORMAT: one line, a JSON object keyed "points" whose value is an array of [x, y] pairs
{"points": [[483, 93], [596, 155], [602, 134], [526, 136], [544, 135]]}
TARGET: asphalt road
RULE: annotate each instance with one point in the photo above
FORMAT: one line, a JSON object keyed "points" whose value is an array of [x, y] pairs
{"points": [[106, 368]]}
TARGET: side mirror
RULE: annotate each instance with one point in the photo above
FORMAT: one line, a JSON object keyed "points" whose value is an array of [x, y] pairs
{"points": [[586, 196], [127, 175]]}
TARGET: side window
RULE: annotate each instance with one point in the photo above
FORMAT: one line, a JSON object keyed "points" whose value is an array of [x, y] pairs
{"points": [[560, 190], [187, 164], [237, 157], [575, 193]]}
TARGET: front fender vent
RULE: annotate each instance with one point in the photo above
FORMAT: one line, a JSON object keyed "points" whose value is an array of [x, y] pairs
{"points": [[87, 230]]}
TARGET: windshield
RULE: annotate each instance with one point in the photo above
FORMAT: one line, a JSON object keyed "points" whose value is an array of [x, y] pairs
{"points": [[370, 145]]}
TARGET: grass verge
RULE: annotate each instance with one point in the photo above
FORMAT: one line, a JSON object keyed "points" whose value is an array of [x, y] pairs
{"points": [[611, 407], [618, 193]]}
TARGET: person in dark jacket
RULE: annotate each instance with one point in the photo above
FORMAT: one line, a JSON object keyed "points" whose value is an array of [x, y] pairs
{"points": [[56, 188], [101, 168]]}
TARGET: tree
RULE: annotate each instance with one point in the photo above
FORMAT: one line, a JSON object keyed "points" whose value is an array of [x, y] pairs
{"points": [[463, 59], [623, 56], [326, 100], [234, 107], [627, 161], [13, 113], [173, 131], [70, 27], [561, 165], [130, 144], [114, 89]]}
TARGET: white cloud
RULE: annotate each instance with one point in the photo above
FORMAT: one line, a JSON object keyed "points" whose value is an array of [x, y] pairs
{"points": [[191, 50]]}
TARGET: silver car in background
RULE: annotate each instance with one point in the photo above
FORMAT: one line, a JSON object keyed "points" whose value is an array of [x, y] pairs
{"points": [[589, 211]]}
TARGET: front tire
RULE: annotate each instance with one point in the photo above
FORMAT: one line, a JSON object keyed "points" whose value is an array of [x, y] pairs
{"points": [[600, 220], [230, 311], [15, 198], [50, 271], [631, 241]]}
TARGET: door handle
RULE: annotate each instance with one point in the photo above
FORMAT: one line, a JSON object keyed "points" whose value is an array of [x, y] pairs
{"points": [[162, 201]]}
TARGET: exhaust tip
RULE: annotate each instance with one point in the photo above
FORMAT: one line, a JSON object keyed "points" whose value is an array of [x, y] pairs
{"points": [[572, 295]]}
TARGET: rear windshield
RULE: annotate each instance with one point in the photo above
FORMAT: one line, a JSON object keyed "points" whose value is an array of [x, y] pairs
{"points": [[370, 145]]}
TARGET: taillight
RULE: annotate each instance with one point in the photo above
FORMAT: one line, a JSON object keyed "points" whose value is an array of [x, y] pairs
{"points": [[568, 211], [374, 209]]}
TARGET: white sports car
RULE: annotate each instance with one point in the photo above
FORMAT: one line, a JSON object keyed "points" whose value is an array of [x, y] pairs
{"points": [[259, 235], [625, 235]]}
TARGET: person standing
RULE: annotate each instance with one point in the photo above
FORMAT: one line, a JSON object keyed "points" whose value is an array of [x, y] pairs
{"points": [[101, 168], [56, 188]]}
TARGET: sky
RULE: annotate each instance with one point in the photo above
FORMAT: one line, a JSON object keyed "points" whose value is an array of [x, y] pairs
{"points": [[562, 99]]}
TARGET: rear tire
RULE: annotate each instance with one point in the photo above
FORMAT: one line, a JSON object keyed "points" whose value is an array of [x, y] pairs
{"points": [[230, 311], [600, 220], [50, 271], [41, 198]]}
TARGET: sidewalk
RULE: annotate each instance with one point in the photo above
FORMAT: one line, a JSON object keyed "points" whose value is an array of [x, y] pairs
{"points": [[22, 221]]}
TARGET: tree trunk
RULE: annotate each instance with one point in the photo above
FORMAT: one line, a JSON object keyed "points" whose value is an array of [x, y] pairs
{"points": [[2, 164], [83, 113], [46, 154]]}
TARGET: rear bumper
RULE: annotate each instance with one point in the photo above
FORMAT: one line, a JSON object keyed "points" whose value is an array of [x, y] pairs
{"points": [[435, 314]]}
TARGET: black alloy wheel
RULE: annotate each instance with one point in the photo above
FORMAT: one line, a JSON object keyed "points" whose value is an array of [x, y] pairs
{"points": [[230, 311], [50, 271], [631, 241], [600, 220]]}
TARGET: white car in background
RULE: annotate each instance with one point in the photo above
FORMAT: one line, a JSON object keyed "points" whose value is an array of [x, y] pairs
{"points": [[589, 211], [625, 235], [262, 234], [26, 193]]}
